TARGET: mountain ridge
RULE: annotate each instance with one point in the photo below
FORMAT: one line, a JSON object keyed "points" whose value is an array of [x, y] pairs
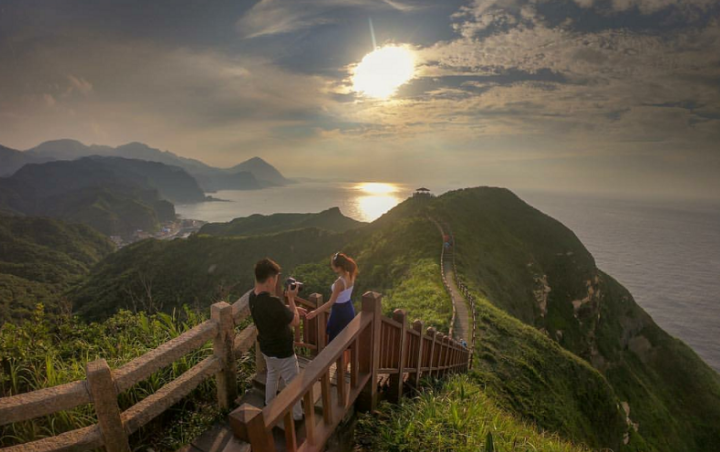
{"points": [[254, 173]]}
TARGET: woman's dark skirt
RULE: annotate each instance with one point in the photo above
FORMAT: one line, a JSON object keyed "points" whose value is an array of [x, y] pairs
{"points": [[340, 316]]}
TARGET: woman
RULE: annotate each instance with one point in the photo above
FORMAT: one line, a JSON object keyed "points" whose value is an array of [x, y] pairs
{"points": [[342, 308]]}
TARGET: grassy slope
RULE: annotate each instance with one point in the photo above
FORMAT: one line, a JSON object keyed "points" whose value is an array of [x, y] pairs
{"points": [[330, 219], [522, 369], [398, 256], [40, 258], [42, 352], [504, 245], [456, 416], [154, 275]]}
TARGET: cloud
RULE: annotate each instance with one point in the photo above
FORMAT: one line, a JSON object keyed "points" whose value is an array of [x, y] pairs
{"points": [[80, 85], [273, 17], [179, 98]]}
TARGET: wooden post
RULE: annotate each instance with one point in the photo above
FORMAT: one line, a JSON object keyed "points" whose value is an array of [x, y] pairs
{"points": [[326, 397], [396, 380], [370, 350], [441, 356], [309, 407], [312, 326], [248, 424], [431, 355], [321, 323], [440, 340], [223, 350], [104, 396], [451, 358], [418, 326], [448, 351]]}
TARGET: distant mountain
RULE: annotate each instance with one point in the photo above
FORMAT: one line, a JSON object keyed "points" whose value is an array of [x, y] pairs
{"points": [[330, 220], [66, 150], [40, 258], [116, 196], [250, 175], [172, 183], [262, 170], [12, 160]]}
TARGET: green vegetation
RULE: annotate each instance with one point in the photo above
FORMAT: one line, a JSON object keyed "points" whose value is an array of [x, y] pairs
{"points": [[331, 220], [159, 276], [40, 259], [115, 196], [506, 248], [456, 416], [561, 346], [42, 352]]}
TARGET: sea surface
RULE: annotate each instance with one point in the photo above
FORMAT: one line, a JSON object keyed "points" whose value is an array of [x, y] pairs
{"points": [[667, 253]]}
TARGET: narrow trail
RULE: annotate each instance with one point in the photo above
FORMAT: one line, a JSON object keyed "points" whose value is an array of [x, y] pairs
{"points": [[462, 327]]}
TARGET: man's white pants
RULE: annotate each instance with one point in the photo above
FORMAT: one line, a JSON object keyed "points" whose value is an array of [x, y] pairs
{"points": [[287, 369]]}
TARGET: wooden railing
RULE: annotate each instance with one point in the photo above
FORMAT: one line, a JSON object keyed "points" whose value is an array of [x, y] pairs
{"points": [[377, 345], [102, 385], [404, 351]]}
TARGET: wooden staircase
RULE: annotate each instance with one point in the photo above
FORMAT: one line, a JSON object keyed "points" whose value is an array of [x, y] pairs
{"points": [[384, 352]]}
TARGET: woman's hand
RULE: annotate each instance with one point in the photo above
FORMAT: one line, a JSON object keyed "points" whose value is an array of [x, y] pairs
{"points": [[310, 315]]}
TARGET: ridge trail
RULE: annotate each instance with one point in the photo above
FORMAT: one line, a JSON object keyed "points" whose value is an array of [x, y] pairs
{"points": [[461, 329]]}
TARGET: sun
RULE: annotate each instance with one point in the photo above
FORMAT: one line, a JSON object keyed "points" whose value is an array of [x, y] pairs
{"points": [[382, 71]]}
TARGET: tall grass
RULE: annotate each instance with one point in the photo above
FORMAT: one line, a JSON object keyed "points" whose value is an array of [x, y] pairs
{"points": [[41, 353], [455, 416]]}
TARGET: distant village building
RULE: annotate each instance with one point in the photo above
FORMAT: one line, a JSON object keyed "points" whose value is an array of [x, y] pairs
{"points": [[422, 191]]}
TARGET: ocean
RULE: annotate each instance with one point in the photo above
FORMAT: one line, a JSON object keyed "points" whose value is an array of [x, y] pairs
{"points": [[667, 253]]}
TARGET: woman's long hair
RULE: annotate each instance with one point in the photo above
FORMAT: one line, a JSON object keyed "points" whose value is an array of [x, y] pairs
{"points": [[346, 263]]}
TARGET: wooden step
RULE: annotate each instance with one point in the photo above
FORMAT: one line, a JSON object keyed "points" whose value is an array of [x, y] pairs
{"points": [[219, 438]]}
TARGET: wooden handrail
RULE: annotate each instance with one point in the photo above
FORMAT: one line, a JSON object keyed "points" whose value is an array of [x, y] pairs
{"points": [[42, 402], [405, 352], [142, 367], [102, 386], [378, 345]]}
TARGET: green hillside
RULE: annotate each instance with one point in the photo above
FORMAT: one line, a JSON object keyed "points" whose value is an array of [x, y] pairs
{"points": [[456, 415], [40, 258], [114, 196], [562, 347], [535, 269], [154, 275], [330, 219]]}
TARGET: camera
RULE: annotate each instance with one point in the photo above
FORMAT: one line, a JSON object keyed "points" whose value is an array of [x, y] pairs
{"points": [[291, 283]]}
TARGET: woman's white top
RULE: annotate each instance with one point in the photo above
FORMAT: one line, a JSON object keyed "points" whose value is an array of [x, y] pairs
{"points": [[344, 296]]}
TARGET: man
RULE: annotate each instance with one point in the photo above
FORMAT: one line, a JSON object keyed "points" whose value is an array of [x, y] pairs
{"points": [[274, 322]]}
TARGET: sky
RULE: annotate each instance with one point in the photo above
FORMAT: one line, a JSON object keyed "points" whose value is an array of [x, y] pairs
{"points": [[601, 96]]}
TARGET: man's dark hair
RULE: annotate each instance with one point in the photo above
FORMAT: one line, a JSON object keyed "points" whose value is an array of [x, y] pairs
{"points": [[265, 268]]}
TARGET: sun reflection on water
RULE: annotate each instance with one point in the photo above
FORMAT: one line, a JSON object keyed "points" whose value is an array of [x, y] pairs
{"points": [[376, 198]]}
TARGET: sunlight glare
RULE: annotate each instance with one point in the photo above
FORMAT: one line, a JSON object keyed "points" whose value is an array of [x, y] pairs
{"points": [[376, 188], [373, 206], [382, 71]]}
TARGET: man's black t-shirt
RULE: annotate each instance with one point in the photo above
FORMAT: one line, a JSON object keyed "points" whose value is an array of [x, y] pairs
{"points": [[272, 319]]}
